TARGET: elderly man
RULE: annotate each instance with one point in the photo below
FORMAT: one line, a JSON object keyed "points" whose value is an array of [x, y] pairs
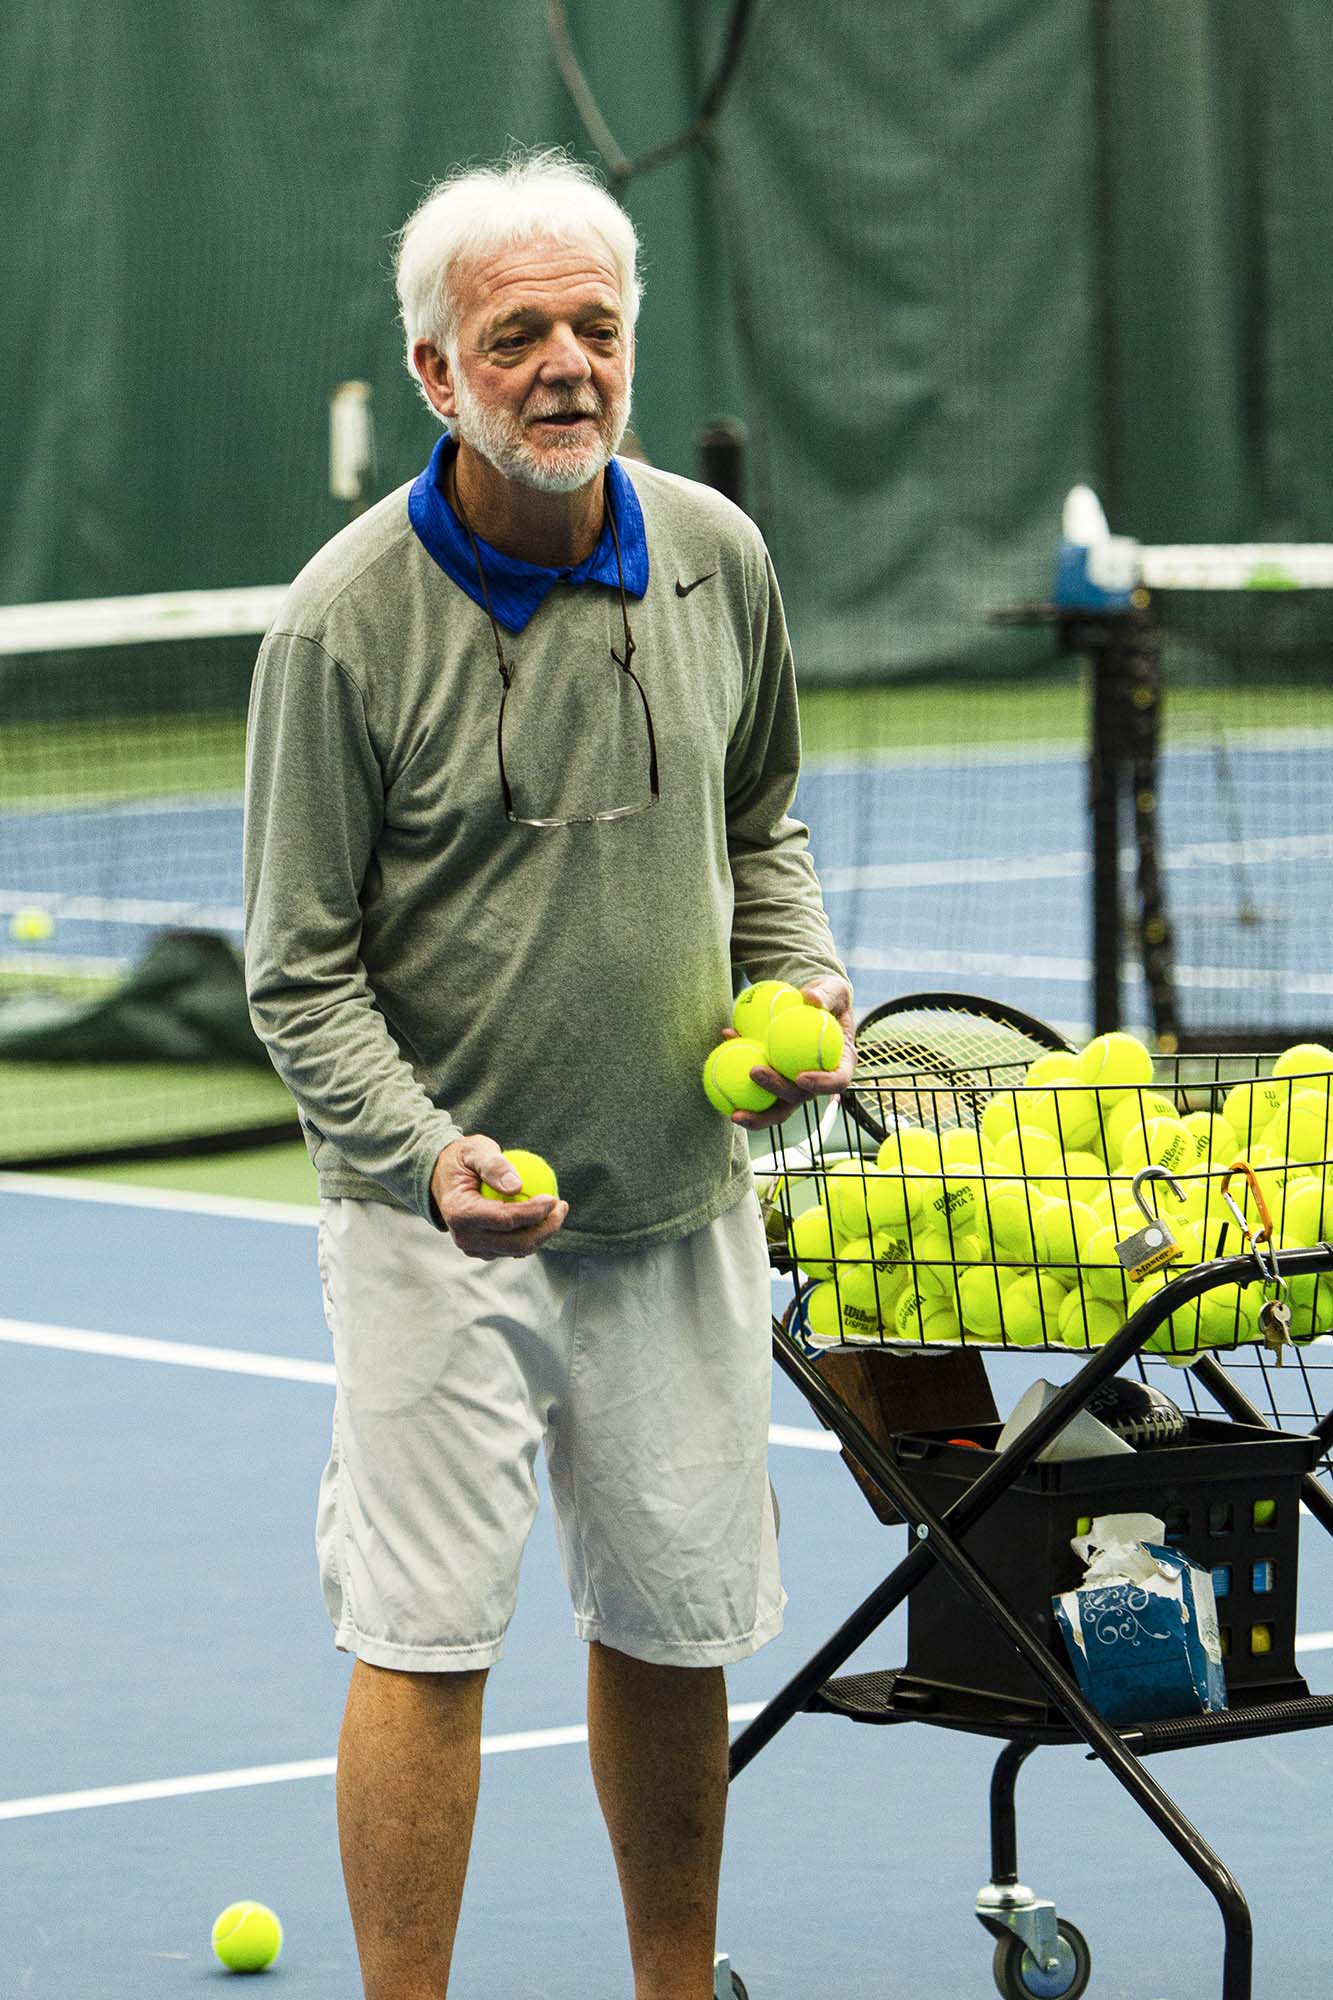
{"points": [[523, 744]]}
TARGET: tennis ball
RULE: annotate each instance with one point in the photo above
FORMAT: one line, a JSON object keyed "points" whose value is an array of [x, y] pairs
{"points": [[1084, 1320], [1213, 1137], [1301, 1130], [981, 1293], [247, 1937], [1131, 1112], [1305, 1059], [832, 1318], [727, 1080], [1115, 1062], [961, 1148], [933, 1262], [1070, 1113], [999, 1117], [812, 1243], [846, 1195], [924, 1315], [1264, 1513], [535, 1177], [871, 1273], [803, 1038], [31, 926], [1029, 1151], [912, 1146], [895, 1198], [954, 1209], [1307, 1213], [1068, 1228], [1162, 1142], [1010, 1212], [1032, 1309], [1101, 1273], [756, 1007], [1249, 1107], [1081, 1176]]}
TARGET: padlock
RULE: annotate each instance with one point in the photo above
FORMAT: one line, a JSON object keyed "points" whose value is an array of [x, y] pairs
{"points": [[1153, 1247]]}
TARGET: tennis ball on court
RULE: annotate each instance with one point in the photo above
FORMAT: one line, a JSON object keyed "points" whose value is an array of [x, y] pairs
{"points": [[727, 1081], [31, 926], [535, 1177], [247, 1937], [1084, 1320], [755, 1007], [1162, 1142], [1115, 1062], [803, 1038], [1305, 1059], [1032, 1309]]}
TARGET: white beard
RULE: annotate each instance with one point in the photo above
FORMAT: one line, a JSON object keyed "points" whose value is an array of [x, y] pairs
{"points": [[561, 464]]}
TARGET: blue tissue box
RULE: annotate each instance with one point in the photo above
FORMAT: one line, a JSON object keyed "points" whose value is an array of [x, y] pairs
{"points": [[1144, 1654]]}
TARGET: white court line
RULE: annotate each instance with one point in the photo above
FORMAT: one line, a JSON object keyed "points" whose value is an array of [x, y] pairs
{"points": [[281, 1774], [274, 1367], [53, 1188]]}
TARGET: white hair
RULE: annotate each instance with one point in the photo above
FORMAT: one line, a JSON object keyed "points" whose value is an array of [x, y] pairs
{"points": [[542, 195]]}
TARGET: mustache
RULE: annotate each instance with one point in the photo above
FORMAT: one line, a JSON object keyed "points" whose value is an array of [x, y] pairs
{"points": [[565, 407]]}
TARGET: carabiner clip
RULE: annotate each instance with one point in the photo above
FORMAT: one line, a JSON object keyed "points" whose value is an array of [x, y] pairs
{"points": [[1255, 1237]]}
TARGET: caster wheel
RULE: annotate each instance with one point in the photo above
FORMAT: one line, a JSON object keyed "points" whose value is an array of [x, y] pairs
{"points": [[738, 1987], [1019, 1977]]}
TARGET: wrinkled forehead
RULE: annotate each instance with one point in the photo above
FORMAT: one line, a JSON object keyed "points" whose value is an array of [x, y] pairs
{"points": [[541, 277]]}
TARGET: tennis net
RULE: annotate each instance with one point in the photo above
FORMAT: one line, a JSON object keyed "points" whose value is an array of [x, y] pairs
{"points": [[122, 742]]}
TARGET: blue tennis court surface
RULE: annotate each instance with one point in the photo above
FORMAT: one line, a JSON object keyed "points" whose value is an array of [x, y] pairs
{"points": [[940, 870], [171, 1700]]}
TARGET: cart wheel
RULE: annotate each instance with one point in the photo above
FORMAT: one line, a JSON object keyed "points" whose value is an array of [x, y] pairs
{"points": [[1019, 1977], [738, 1987]]}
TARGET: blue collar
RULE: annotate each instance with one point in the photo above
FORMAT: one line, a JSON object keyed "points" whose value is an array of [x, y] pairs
{"points": [[519, 589]]}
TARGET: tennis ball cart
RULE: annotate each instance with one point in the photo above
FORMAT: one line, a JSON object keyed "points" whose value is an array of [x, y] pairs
{"points": [[983, 1188]]}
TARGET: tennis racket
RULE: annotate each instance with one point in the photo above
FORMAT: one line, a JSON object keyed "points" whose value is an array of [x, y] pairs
{"points": [[935, 1059]]}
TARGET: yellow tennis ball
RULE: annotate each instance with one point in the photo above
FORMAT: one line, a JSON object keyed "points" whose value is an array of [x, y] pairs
{"points": [[1307, 1213], [247, 1937], [1162, 1142], [1249, 1107], [1305, 1059], [535, 1177], [1029, 1150], [727, 1080], [895, 1197], [1086, 1320], [954, 1209], [812, 1243], [1213, 1137], [1115, 1062], [834, 1318], [803, 1038], [999, 1117], [981, 1293], [31, 926], [1067, 1110], [847, 1186], [961, 1147], [1080, 1176], [1131, 1113], [1032, 1309], [911, 1146], [1301, 1131], [1068, 1228], [932, 1262], [1101, 1272], [1010, 1212], [871, 1272], [924, 1315], [756, 1006]]}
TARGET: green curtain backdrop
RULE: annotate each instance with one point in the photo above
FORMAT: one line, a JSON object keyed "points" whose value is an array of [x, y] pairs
{"points": [[944, 257]]}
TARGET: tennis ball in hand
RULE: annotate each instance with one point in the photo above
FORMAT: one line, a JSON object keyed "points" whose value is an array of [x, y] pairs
{"points": [[247, 1937], [31, 926], [727, 1080], [535, 1177], [803, 1038], [756, 1006]]}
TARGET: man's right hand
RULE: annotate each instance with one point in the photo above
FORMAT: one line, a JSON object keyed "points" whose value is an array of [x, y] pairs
{"points": [[480, 1225]]}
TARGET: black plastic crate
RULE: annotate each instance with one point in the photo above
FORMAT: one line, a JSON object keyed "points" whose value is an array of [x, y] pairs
{"points": [[1206, 1491]]}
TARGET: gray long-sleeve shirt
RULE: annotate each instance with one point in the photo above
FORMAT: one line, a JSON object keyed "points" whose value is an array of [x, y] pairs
{"points": [[419, 967]]}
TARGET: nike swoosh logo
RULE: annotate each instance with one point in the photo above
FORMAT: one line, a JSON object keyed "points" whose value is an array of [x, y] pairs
{"points": [[684, 589]]}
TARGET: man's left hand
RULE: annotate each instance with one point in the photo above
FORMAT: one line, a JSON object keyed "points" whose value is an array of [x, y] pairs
{"points": [[835, 997]]}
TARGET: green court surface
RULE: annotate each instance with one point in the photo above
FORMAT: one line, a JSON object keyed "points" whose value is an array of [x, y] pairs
{"points": [[264, 1173]]}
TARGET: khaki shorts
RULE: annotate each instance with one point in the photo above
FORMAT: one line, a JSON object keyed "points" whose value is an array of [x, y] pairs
{"points": [[646, 1377]]}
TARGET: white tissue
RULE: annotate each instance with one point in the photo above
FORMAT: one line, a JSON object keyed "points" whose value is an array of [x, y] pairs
{"points": [[1114, 1553]]}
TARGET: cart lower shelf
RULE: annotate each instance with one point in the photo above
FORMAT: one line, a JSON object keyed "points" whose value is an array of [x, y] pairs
{"points": [[894, 1695]]}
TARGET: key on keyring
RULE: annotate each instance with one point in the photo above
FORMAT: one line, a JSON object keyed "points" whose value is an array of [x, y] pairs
{"points": [[1275, 1326]]}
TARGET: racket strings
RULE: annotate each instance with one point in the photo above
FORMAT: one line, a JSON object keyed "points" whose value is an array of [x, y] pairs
{"points": [[937, 1067]]}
